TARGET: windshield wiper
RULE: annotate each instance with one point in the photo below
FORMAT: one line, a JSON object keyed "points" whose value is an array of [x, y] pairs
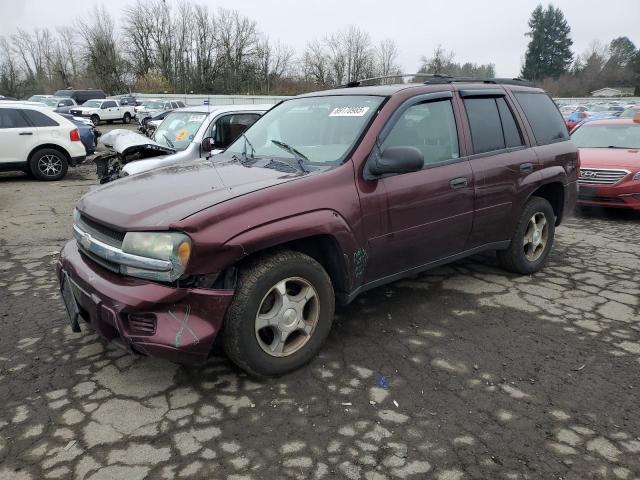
{"points": [[167, 139], [244, 150], [300, 157]]}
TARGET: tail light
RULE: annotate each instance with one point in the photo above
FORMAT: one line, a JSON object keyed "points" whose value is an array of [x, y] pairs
{"points": [[74, 135]]}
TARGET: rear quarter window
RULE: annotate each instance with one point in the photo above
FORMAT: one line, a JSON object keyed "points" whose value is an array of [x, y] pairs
{"points": [[543, 116], [39, 119]]}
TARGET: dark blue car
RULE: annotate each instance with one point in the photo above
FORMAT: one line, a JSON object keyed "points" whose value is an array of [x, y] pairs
{"points": [[88, 134]]}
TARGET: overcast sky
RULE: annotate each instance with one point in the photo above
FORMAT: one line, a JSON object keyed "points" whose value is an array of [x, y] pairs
{"points": [[476, 31]]}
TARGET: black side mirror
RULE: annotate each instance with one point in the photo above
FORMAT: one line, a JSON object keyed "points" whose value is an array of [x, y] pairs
{"points": [[394, 160], [208, 144]]}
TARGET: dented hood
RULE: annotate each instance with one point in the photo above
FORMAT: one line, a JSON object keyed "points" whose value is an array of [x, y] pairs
{"points": [[159, 198], [126, 142]]}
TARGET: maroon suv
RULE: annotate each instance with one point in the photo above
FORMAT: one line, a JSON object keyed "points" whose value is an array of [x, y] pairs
{"points": [[327, 195]]}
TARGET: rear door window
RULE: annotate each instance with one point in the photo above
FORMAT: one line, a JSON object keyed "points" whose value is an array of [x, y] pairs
{"points": [[228, 128], [543, 116], [431, 128], [484, 121], [39, 119], [11, 118], [512, 137]]}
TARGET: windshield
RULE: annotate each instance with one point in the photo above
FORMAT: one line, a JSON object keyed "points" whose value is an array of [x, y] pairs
{"points": [[92, 103], [314, 130], [52, 102], [178, 129], [607, 136], [152, 104]]}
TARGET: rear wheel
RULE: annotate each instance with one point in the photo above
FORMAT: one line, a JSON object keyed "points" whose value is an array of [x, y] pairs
{"points": [[48, 164], [95, 119], [280, 315], [126, 118], [532, 240]]}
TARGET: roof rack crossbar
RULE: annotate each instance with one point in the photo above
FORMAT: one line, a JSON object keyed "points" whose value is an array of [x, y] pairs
{"points": [[439, 78]]}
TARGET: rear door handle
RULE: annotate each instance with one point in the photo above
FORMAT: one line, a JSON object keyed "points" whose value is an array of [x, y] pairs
{"points": [[526, 167], [25, 133], [459, 183]]}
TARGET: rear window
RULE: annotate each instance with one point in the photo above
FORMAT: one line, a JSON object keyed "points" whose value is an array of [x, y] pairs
{"points": [[39, 119], [543, 116]]}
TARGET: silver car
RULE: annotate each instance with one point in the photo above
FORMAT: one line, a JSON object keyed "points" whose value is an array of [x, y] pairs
{"points": [[178, 138]]}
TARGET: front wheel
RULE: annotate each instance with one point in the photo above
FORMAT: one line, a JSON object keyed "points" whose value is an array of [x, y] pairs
{"points": [[280, 315], [126, 118], [532, 240], [95, 119]]}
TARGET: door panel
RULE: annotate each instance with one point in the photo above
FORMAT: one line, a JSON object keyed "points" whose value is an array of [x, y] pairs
{"points": [[17, 137], [425, 218], [425, 215]]}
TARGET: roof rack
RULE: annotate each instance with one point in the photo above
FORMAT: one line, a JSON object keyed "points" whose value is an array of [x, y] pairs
{"points": [[438, 78], [358, 83]]}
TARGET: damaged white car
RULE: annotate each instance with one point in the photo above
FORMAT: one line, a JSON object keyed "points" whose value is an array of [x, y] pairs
{"points": [[185, 134]]}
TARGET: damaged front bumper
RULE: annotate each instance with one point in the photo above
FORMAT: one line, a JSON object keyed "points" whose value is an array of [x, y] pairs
{"points": [[177, 324]]}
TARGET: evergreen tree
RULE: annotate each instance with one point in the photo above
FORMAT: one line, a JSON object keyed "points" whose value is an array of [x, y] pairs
{"points": [[549, 50]]}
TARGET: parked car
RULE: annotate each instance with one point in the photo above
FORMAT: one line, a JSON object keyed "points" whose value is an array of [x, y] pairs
{"points": [[610, 163], [38, 141], [38, 98], [151, 107], [630, 112], [147, 126], [125, 100], [104, 110], [179, 137], [326, 196], [81, 96], [88, 133], [574, 119], [59, 105]]}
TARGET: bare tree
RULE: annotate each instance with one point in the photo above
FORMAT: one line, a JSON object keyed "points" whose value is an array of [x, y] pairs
{"points": [[315, 63], [386, 54], [237, 41]]}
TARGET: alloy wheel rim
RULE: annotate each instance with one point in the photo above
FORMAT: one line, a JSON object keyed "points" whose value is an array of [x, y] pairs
{"points": [[287, 317], [536, 236], [50, 165]]}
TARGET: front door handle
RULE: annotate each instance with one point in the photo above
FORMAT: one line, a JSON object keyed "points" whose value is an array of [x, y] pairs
{"points": [[25, 133], [526, 167], [459, 183]]}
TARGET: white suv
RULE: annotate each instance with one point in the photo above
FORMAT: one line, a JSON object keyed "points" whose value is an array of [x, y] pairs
{"points": [[38, 141]]}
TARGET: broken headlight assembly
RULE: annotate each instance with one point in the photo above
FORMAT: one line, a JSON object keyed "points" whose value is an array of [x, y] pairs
{"points": [[173, 247]]}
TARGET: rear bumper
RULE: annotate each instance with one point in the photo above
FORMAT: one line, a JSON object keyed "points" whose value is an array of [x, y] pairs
{"points": [[625, 195], [177, 324]]}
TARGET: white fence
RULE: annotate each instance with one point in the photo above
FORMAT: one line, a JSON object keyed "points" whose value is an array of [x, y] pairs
{"points": [[190, 99]]}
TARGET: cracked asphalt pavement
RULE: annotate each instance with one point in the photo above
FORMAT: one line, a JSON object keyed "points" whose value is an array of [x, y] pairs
{"points": [[463, 372]]}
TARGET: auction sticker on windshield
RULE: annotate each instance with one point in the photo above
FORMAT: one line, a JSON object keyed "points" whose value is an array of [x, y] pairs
{"points": [[196, 118], [349, 112]]}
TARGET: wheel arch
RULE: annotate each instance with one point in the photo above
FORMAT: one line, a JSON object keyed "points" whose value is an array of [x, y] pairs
{"points": [[52, 146], [553, 192]]}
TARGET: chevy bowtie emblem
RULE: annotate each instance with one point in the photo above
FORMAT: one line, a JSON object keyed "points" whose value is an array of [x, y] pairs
{"points": [[85, 241]]}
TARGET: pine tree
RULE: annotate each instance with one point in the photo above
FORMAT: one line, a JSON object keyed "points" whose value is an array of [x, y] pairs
{"points": [[549, 50]]}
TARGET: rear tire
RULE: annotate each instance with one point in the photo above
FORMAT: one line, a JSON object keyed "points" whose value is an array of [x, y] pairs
{"points": [[532, 240], [48, 164], [126, 118], [280, 315]]}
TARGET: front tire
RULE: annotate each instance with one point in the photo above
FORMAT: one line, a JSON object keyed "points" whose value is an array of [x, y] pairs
{"points": [[126, 118], [532, 240], [95, 119], [48, 164], [280, 315]]}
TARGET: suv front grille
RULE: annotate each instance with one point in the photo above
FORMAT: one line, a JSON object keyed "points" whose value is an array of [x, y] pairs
{"points": [[601, 176], [101, 232]]}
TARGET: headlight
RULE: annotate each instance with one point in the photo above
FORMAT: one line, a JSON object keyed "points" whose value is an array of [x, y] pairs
{"points": [[636, 176], [172, 246]]}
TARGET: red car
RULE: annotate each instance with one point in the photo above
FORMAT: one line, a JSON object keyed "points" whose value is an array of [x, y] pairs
{"points": [[609, 162], [574, 119]]}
